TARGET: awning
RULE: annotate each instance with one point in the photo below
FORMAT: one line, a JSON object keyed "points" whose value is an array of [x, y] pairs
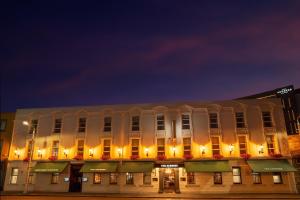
{"points": [[208, 166], [136, 167], [271, 166], [99, 167], [50, 167]]}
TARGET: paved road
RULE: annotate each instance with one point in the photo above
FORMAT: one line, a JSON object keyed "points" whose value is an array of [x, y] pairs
{"points": [[18, 197]]}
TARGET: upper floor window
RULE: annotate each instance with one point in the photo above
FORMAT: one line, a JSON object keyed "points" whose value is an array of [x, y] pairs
{"points": [[33, 126], [160, 122], [185, 120], [187, 146], [55, 148], [161, 146], [106, 147], [242, 139], [267, 119], [80, 147], [135, 147], [213, 120], [81, 124], [107, 124], [270, 144], [240, 121], [3, 124], [135, 123], [57, 125], [215, 143], [29, 148]]}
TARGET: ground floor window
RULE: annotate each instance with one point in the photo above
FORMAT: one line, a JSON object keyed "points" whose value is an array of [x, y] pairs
{"points": [[97, 178], [190, 178], [277, 179], [147, 178], [14, 175], [129, 178], [113, 178], [217, 178], [54, 178], [256, 178], [236, 173]]}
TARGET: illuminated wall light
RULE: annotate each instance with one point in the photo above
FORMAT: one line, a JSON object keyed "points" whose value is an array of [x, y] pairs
{"points": [[17, 153], [202, 150], [261, 149], [147, 151], [119, 150], [231, 148], [66, 152], [174, 151], [91, 152], [40, 153]]}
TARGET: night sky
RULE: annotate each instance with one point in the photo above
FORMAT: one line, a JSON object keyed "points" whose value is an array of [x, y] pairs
{"points": [[67, 53]]}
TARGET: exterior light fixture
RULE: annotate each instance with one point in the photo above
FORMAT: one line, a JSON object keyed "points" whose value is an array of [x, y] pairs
{"points": [[202, 149], [261, 149], [25, 123], [91, 152], [231, 148], [40, 153], [66, 152], [119, 150], [17, 153], [147, 152], [174, 151]]}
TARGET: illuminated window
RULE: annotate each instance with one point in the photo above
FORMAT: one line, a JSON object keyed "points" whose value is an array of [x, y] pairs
{"points": [[106, 147], [107, 124], [161, 146], [270, 144], [55, 148], [29, 148], [213, 120], [129, 178], [267, 119], [256, 176], [185, 120], [57, 125], [113, 178], [215, 142], [135, 147], [217, 178], [80, 147], [190, 178], [54, 178], [33, 126], [240, 121], [236, 175], [81, 124], [242, 144], [277, 179], [3, 124], [97, 178], [160, 122], [147, 178], [187, 146], [135, 123], [14, 175]]}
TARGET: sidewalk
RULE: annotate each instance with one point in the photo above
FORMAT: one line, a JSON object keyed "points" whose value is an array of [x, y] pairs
{"points": [[157, 195]]}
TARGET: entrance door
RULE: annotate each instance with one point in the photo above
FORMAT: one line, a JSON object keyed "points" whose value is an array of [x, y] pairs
{"points": [[75, 178], [169, 180]]}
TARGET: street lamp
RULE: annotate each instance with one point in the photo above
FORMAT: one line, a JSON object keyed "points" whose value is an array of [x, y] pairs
{"points": [[26, 123]]}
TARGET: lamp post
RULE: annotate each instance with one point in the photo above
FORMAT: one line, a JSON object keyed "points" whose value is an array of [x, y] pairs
{"points": [[26, 123]]}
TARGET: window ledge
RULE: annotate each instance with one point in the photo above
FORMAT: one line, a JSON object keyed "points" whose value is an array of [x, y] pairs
{"points": [[192, 185], [146, 185]]}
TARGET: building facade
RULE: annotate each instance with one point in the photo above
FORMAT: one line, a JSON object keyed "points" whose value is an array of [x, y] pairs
{"points": [[215, 147], [6, 129]]}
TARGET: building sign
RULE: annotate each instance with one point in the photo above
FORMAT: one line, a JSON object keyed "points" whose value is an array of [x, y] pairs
{"points": [[46, 170], [97, 169], [273, 168], [169, 166], [284, 91]]}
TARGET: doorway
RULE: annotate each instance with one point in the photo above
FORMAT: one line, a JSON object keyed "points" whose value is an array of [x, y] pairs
{"points": [[75, 178], [169, 180]]}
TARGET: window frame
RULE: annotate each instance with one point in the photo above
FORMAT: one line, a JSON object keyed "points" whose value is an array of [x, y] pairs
{"points": [[106, 152], [257, 175], [185, 122], [80, 149], [113, 178], [147, 174], [267, 123], [245, 149], [187, 147], [54, 178], [135, 123], [13, 180], [107, 124], [33, 126], [220, 182], [55, 149], [270, 144], [212, 145], [129, 178], [160, 123], [237, 175], [240, 116], [190, 178], [99, 176], [135, 152], [3, 125], [82, 121], [213, 120], [161, 152], [57, 125], [279, 174]]}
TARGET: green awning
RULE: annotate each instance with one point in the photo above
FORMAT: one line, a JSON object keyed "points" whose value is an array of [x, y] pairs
{"points": [[208, 166], [271, 166], [136, 167], [50, 167], [99, 167]]}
